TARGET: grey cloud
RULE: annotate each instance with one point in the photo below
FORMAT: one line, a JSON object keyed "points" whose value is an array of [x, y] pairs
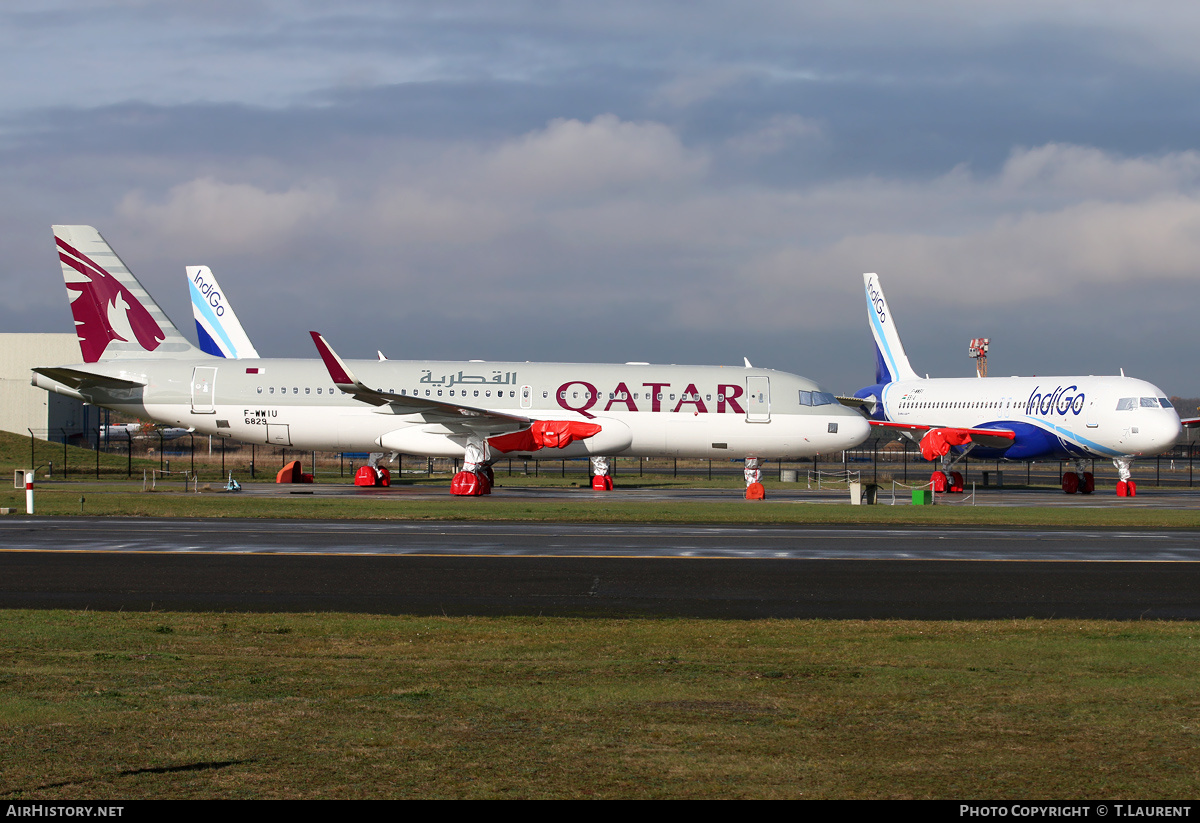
{"points": [[498, 180]]}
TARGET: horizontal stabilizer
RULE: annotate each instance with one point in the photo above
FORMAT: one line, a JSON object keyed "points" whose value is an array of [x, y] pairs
{"points": [[865, 404], [78, 379]]}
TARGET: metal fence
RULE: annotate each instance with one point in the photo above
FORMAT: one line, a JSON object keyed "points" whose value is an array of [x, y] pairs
{"points": [[212, 458]]}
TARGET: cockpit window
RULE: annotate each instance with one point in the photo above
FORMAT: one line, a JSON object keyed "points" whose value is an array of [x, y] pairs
{"points": [[1150, 403], [1127, 403], [1165, 403]]}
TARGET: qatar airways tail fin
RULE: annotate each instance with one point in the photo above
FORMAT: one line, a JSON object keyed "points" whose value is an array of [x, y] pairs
{"points": [[115, 318], [217, 325], [891, 363]]}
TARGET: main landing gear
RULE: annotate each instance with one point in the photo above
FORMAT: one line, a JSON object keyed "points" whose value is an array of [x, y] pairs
{"points": [[946, 480], [373, 474], [601, 480], [476, 477], [1080, 481]]}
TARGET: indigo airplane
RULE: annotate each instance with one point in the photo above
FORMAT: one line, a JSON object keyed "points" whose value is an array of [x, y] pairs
{"points": [[136, 361], [1014, 418]]}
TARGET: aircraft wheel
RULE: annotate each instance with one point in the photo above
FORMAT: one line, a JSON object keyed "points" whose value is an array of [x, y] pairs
{"points": [[940, 482], [1070, 483], [466, 484], [1087, 484], [1132, 488], [1122, 488], [956, 482]]}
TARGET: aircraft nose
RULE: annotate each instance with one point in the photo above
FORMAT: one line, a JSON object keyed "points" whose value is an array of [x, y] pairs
{"points": [[852, 430], [1167, 431], [1158, 434]]}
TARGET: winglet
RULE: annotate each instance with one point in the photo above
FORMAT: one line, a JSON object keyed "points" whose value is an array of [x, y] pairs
{"points": [[338, 370]]}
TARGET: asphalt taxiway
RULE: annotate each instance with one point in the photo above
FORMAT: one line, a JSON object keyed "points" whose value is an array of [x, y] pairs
{"points": [[584, 569]]}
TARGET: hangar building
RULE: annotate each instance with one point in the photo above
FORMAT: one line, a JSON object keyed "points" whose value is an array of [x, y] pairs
{"points": [[24, 407]]}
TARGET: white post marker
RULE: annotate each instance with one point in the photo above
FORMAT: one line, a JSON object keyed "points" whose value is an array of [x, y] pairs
{"points": [[29, 492]]}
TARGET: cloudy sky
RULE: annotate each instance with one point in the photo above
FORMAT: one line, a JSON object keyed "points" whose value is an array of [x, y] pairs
{"points": [[675, 182]]}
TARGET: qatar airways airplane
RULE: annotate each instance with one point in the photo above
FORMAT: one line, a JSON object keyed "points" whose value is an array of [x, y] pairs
{"points": [[136, 361], [1015, 418]]}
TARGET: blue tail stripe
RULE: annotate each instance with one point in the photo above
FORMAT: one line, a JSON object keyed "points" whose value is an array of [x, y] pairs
{"points": [[214, 324], [207, 344], [885, 360], [882, 375]]}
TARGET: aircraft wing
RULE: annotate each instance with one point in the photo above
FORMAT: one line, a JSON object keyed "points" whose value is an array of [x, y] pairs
{"points": [[1191, 422], [434, 411], [79, 379], [984, 438]]}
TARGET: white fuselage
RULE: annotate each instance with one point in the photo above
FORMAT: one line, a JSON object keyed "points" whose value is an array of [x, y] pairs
{"points": [[644, 410], [1064, 417]]}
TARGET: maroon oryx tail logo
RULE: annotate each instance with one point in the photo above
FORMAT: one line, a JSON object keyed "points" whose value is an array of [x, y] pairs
{"points": [[105, 310]]}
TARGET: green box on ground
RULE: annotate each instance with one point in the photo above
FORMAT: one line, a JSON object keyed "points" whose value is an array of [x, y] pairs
{"points": [[922, 497]]}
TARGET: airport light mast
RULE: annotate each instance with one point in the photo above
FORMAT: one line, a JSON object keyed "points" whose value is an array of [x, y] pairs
{"points": [[978, 350]]}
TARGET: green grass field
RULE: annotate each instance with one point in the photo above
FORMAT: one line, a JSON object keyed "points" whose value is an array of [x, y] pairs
{"points": [[105, 705]]}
